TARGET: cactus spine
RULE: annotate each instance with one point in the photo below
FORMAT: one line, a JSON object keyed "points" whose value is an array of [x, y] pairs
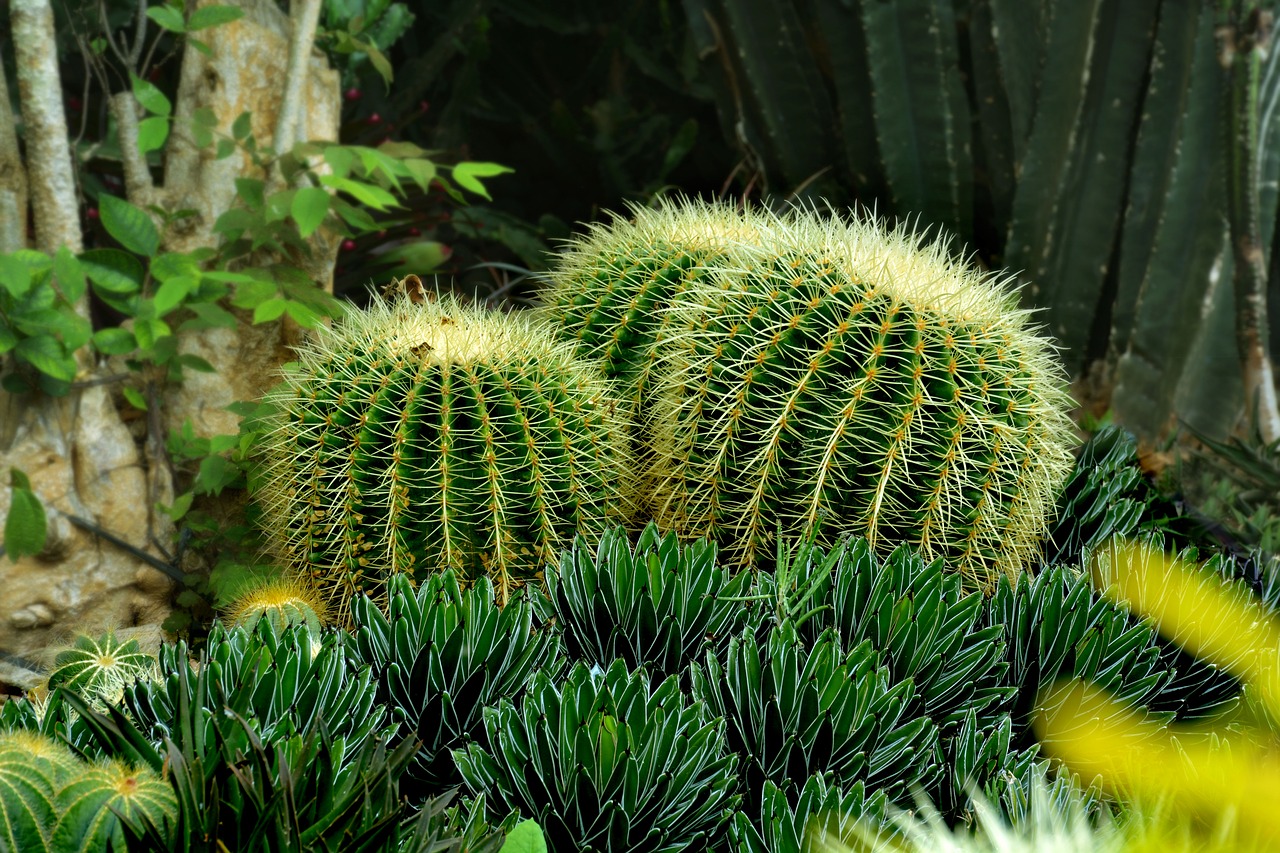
{"points": [[610, 290], [855, 379], [282, 601], [417, 436]]}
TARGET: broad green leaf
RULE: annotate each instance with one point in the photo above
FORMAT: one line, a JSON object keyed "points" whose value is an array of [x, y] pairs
{"points": [[525, 837], [15, 276], [309, 208], [47, 354], [152, 133], [69, 273], [302, 315], [25, 527], [114, 341], [8, 340], [250, 190], [196, 363], [167, 17], [226, 148], [152, 99], [171, 293], [212, 16], [340, 159], [174, 264], [422, 171], [130, 225], [466, 175], [112, 270], [148, 332], [269, 310], [252, 293], [368, 194]]}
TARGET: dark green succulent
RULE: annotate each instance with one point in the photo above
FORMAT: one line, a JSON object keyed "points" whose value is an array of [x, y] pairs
{"points": [[1104, 496], [794, 710], [821, 812], [659, 605], [1058, 627], [441, 654], [605, 763]]}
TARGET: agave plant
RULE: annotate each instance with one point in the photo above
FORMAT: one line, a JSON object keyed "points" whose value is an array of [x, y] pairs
{"points": [[604, 763], [442, 654], [794, 710], [821, 810], [659, 605], [1057, 627], [1104, 496]]}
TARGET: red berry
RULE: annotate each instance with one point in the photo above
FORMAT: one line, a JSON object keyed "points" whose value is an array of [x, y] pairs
{"points": [[415, 232], [423, 106], [446, 251], [74, 104], [375, 119], [385, 140], [348, 245], [352, 94], [92, 213], [337, 271], [382, 233]]}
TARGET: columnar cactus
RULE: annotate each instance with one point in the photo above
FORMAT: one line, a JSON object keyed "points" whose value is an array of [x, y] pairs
{"points": [[857, 380], [415, 436]]}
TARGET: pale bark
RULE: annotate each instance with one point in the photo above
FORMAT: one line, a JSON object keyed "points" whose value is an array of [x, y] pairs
{"points": [[13, 177], [302, 37], [49, 168], [138, 185]]}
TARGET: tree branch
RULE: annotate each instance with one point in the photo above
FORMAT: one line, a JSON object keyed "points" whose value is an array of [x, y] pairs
{"points": [[304, 20], [51, 178], [138, 185], [13, 177]]}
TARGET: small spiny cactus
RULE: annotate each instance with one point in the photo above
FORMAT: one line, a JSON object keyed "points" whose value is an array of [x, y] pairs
{"points": [[100, 668], [419, 435], [284, 601]]}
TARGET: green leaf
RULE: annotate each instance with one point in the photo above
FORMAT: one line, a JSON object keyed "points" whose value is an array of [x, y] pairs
{"points": [[25, 527], [196, 363], [167, 17], [423, 171], [242, 126], [250, 189], [152, 133], [114, 341], [269, 310], [15, 276], [171, 293], [253, 292], [135, 398], [212, 16], [174, 265], [148, 332], [309, 208], [368, 194], [226, 147], [112, 270], [47, 354], [526, 837], [69, 273], [152, 99], [130, 225], [302, 315], [466, 175]]}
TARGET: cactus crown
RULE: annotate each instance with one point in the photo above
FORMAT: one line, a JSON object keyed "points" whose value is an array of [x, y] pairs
{"points": [[417, 436], [285, 600]]}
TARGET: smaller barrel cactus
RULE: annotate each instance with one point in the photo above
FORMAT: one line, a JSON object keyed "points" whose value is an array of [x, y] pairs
{"points": [[100, 668], [284, 601], [421, 435]]}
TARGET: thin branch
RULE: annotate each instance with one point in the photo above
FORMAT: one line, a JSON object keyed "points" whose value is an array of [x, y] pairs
{"points": [[138, 184], [139, 37], [49, 166]]}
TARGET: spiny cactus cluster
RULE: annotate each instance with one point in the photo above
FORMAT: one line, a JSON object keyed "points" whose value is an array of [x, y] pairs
{"points": [[51, 801], [800, 372], [416, 436]]}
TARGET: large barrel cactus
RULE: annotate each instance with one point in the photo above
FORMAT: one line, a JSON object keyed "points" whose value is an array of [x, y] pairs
{"points": [[850, 379], [415, 436]]}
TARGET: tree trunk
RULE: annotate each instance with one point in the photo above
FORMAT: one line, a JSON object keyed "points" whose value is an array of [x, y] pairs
{"points": [[83, 461]]}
